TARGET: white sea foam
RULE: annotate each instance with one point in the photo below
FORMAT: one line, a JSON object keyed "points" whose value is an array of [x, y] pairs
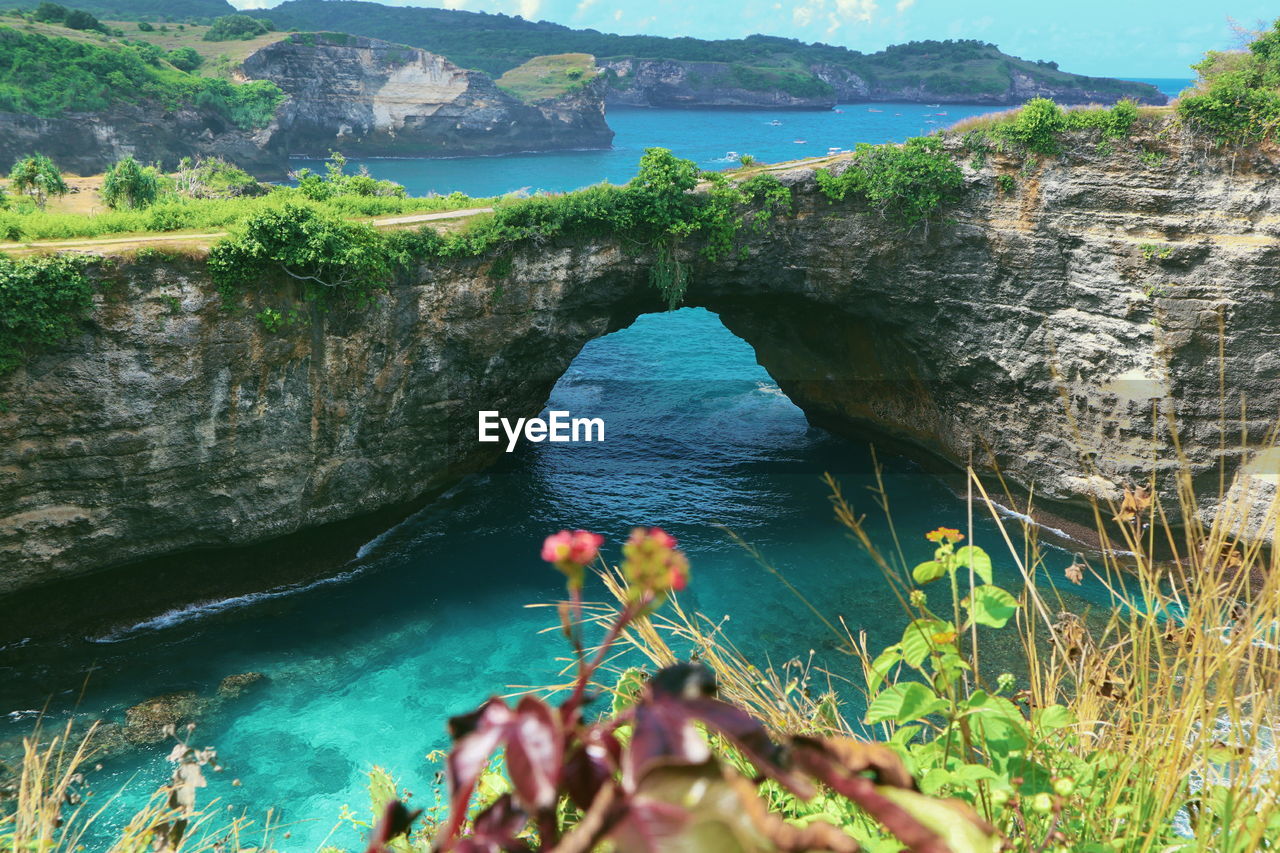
{"points": [[198, 610]]}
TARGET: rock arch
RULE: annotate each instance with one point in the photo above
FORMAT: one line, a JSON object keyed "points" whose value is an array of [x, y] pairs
{"points": [[1050, 330]]}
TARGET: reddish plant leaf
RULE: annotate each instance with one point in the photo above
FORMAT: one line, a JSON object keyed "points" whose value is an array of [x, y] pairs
{"points": [[824, 764], [483, 730], [663, 733], [590, 765], [496, 830], [535, 752], [751, 737]]}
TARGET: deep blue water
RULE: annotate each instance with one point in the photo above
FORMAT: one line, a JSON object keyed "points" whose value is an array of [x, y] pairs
{"points": [[432, 617], [714, 139]]}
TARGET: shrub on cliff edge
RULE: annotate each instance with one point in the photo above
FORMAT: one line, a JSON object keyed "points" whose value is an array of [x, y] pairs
{"points": [[329, 257], [907, 182], [41, 301], [1237, 97]]}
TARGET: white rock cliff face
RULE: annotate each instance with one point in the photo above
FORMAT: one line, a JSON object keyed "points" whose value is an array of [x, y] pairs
{"points": [[366, 97], [1056, 330]]}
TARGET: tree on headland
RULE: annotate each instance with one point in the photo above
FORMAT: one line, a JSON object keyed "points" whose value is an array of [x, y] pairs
{"points": [[129, 184], [50, 13], [78, 19], [232, 27], [37, 177]]}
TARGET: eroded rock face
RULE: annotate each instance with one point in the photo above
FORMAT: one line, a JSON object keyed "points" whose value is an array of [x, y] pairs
{"points": [[89, 143], [703, 85], [366, 97], [707, 85], [1051, 328]]}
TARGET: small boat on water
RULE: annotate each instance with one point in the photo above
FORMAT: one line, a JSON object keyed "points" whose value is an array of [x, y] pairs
{"points": [[838, 111], [776, 123], [800, 141], [933, 105], [870, 110]]}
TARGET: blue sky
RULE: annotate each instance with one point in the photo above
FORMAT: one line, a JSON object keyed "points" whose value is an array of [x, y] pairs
{"points": [[1152, 38]]}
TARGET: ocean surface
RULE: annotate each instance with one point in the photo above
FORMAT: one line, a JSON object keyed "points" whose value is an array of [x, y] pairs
{"points": [[434, 615]]}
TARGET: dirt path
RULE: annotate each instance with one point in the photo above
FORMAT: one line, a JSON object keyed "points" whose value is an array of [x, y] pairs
{"points": [[203, 240]]}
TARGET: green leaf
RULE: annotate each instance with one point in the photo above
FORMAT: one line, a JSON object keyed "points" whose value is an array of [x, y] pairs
{"points": [[991, 606], [880, 667], [955, 823], [975, 558], [928, 572], [1054, 717], [918, 639], [903, 703]]}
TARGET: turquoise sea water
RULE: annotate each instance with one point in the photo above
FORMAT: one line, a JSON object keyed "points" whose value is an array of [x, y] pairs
{"points": [[433, 616]]}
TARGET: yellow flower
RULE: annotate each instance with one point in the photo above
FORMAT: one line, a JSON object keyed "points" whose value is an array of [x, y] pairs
{"points": [[949, 534]]}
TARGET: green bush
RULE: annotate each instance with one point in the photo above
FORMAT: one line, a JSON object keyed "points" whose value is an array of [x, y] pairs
{"points": [[145, 27], [1114, 123], [329, 257], [336, 182], [38, 177], [236, 27], [78, 19], [41, 301], [907, 182], [50, 13], [130, 185], [184, 58], [1036, 126], [1238, 97], [213, 177]]}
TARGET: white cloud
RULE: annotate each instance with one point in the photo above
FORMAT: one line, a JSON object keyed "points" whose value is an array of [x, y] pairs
{"points": [[453, 4], [904, 5], [617, 14], [585, 5], [861, 11], [836, 13], [528, 9]]}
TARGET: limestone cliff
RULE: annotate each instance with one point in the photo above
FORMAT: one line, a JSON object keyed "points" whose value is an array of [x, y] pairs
{"points": [[1052, 327], [709, 85], [89, 143], [366, 97]]}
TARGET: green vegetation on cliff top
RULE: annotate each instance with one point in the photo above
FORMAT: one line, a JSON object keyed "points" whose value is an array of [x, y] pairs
{"points": [[1237, 96], [156, 10], [546, 77], [48, 76]]}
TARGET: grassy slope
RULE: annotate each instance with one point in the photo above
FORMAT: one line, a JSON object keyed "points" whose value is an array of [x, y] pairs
{"points": [[220, 57], [546, 77], [153, 10]]}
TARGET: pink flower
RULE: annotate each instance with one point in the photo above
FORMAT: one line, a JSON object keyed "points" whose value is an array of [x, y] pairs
{"points": [[570, 552]]}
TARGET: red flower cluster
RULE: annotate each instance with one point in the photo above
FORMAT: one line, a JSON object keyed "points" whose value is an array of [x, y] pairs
{"points": [[571, 552], [652, 561]]}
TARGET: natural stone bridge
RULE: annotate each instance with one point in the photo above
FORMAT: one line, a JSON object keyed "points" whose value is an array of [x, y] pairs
{"points": [[1038, 329]]}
